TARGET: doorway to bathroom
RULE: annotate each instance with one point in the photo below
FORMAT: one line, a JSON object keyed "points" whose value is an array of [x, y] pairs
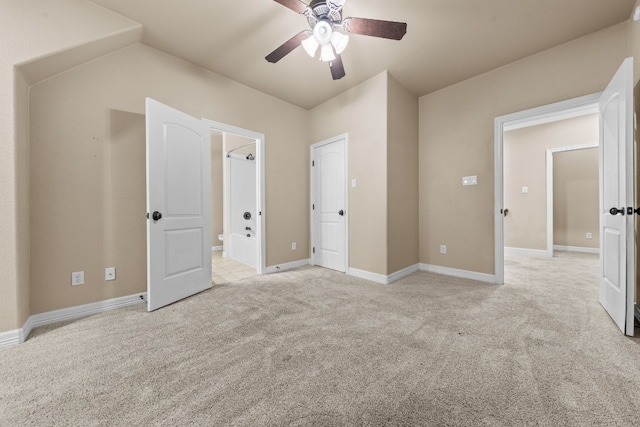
{"points": [[237, 202]]}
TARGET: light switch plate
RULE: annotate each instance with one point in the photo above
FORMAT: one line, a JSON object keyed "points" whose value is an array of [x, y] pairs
{"points": [[110, 273], [470, 180], [525, 190]]}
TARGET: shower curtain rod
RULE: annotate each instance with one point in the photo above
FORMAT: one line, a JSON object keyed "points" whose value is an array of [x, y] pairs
{"points": [[237, 148]]}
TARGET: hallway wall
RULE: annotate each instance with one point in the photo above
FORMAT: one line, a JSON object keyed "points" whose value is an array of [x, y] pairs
{"points": [[457, 123]]}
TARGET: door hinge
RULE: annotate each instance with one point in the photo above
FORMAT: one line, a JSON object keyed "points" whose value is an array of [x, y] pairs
{"points": [[313, 207], [313, 163], [260, 213], [314, 250]]}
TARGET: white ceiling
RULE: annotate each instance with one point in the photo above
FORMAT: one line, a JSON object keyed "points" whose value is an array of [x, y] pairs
{"points": [[447, 41]]}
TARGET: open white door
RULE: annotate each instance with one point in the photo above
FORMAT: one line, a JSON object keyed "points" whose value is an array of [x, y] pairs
{"points": [[329, 204], [617, 277], [178, 205]]}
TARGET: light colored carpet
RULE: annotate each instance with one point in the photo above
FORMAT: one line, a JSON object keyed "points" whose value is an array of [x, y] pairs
{"points": [[315, 347]]}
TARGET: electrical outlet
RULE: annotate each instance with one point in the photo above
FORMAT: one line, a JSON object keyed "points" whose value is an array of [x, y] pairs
{"points": [[77, 278], [293, 246], [443, 249], [589, 236], [110, 273]]}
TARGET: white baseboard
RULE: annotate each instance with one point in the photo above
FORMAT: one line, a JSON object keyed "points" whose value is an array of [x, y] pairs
{"points": [[367, 275], [447, 271], [576, 249], [400, 274], [527, 252], [11, 338], [216, 248], [381, 278], [287, 266]]}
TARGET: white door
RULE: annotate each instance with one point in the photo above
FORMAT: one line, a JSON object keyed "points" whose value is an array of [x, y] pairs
{"points": [[329, 205], [617, 278], [178, 205]]}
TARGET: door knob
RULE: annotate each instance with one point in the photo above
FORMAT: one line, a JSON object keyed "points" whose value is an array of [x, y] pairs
{"points": [[341, 212], [615, 211], [156, 216], [505, 212]]}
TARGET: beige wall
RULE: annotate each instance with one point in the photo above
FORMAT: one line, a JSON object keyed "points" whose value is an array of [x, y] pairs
{"points": [[634, 44], [402, 173], [525, 152], [361, 112], [381, 118], [576, 202], [217, 192], [76, 175], [457, 123], [29, 30]]}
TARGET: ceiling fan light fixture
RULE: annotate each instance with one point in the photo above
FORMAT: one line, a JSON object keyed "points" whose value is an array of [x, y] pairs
{"points": [[339, 42], [326, 53], [322, 32], [310, 45]]}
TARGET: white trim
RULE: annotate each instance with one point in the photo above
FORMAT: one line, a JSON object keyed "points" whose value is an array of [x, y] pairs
{"points": [[546, 113], [78, 311], [581, 249], [550, 116], [345, 137], [367, 275], [11, 338], [287, 266], [549, 170], [216, 248], [260, 185], [454, 272], [538, 253], [381, 278], [401, 274]]}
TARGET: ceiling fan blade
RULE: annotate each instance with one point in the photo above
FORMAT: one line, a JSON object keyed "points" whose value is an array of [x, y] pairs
{"points": [[337, 69], [287, 47], [375, 28], [295, 5]]}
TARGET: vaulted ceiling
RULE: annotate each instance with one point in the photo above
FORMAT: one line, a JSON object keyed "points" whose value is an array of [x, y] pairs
{"points": [[447, 41]]}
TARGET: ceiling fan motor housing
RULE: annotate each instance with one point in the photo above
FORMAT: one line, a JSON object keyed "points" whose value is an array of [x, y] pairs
{"points": [[322, 12]]}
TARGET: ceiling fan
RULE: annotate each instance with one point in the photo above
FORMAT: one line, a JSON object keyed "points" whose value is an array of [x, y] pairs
{"points": [[325, 19]]}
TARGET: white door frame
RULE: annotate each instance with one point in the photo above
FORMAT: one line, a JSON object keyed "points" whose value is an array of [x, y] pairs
{"points": [[260, 184], [549, 167], [547, 113], [345, 137]]}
